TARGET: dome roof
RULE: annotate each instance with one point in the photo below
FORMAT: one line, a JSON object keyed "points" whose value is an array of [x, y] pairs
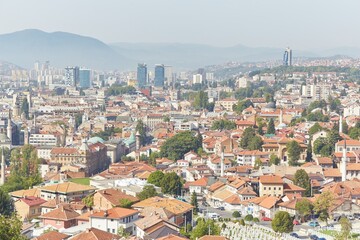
{"points": [[271, 105], [96, 140]]}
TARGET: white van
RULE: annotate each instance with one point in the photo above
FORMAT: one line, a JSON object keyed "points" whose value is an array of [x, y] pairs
{"points": [[213, 215]]}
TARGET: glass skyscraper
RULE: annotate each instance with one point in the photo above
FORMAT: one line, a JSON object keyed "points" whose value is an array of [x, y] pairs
{"points": [[141, 75], [159, 75], [84, 78]]}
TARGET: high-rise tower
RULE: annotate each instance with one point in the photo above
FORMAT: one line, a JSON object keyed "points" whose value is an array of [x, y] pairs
{"points": [[142, 75], [159, 75], [287, 58]]}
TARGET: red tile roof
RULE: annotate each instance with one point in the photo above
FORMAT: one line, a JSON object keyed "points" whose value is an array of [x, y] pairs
{"points": [[114, 213], [33, 201]]}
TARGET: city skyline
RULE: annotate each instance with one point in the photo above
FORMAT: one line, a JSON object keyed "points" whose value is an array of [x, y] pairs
{"points": [[299, 24]]}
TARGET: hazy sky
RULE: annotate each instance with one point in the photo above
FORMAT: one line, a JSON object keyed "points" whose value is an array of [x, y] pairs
{"points": [[301, 24]]}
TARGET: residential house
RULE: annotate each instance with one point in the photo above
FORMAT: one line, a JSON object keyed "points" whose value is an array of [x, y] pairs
{"points": [[111, 197], [53, 235], [271, 185], [247, 157], [154, 227], [66, 192], [95, 234], [61, 217], [112, 219], [28, 207], [182, 211]]}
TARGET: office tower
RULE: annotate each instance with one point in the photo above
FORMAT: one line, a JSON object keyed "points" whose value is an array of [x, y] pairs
{"points": [[203, 73], [197, 79], [168, 75], [71, 76], [84, 78], [142, 75], [287, 59], [159, 75]]}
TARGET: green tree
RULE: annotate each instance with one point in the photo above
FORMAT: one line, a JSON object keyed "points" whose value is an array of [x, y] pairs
{"points": [[282, 222], [156, 178], [176, 146], [203, 227], [123, 233], [88, 201], [301, 179], [255, 143], [25, 108], [242, 105], [346, 227], [274, 160], [171, 184], [249, 218], [315, 128], [294, 151], [223, 124], [148, 191], [304, 208], [322, 205], [236, 214], [201, 100], [24, 170], [194, 202], [246, 137], [258, 163], [271, 127], [6, 204], [242, 222], [309, 153], [345, 127], [141, 129], [354, 133], [10, 228], [125, 203], [256, 220]]}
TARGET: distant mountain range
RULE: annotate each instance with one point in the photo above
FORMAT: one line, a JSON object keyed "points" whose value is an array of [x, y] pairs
{"points": [[66, 49]]}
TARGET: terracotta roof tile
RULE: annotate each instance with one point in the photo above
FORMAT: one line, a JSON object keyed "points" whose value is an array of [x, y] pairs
{"points": [[114, 213], [53, 235], [95, 234]]}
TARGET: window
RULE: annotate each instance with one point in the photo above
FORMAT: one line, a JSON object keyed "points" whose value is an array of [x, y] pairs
{"points": [[264, 188], [33, 211], [279, 188], [113, 230], [108, 229], [269, 188]]}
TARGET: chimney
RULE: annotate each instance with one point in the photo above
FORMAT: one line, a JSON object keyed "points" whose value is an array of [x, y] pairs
{"points": [[106, 213]]}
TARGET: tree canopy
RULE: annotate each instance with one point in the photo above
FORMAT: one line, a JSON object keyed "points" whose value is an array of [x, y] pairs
{"points": [[24, 172], [6, 204], [175, 147], [302, 179], [116, 90], [282, 222], [171, 184], [204, 228], [10, 228], [304, 207], [294, 151], [156, 178], [249, 140], [271, 127], [223, 124], [147, 192], [323, 204]]}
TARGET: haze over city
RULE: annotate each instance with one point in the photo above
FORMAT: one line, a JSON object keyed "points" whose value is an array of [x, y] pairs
{"points": [[304, 25]]}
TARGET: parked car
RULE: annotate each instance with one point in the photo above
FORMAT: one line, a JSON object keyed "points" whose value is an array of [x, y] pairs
{"points": [[221, 208], [314, 237], [266, 219], [314, 224], [296, 222], [351, 217], [213, 215], [321, 238], [295, 235]]}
